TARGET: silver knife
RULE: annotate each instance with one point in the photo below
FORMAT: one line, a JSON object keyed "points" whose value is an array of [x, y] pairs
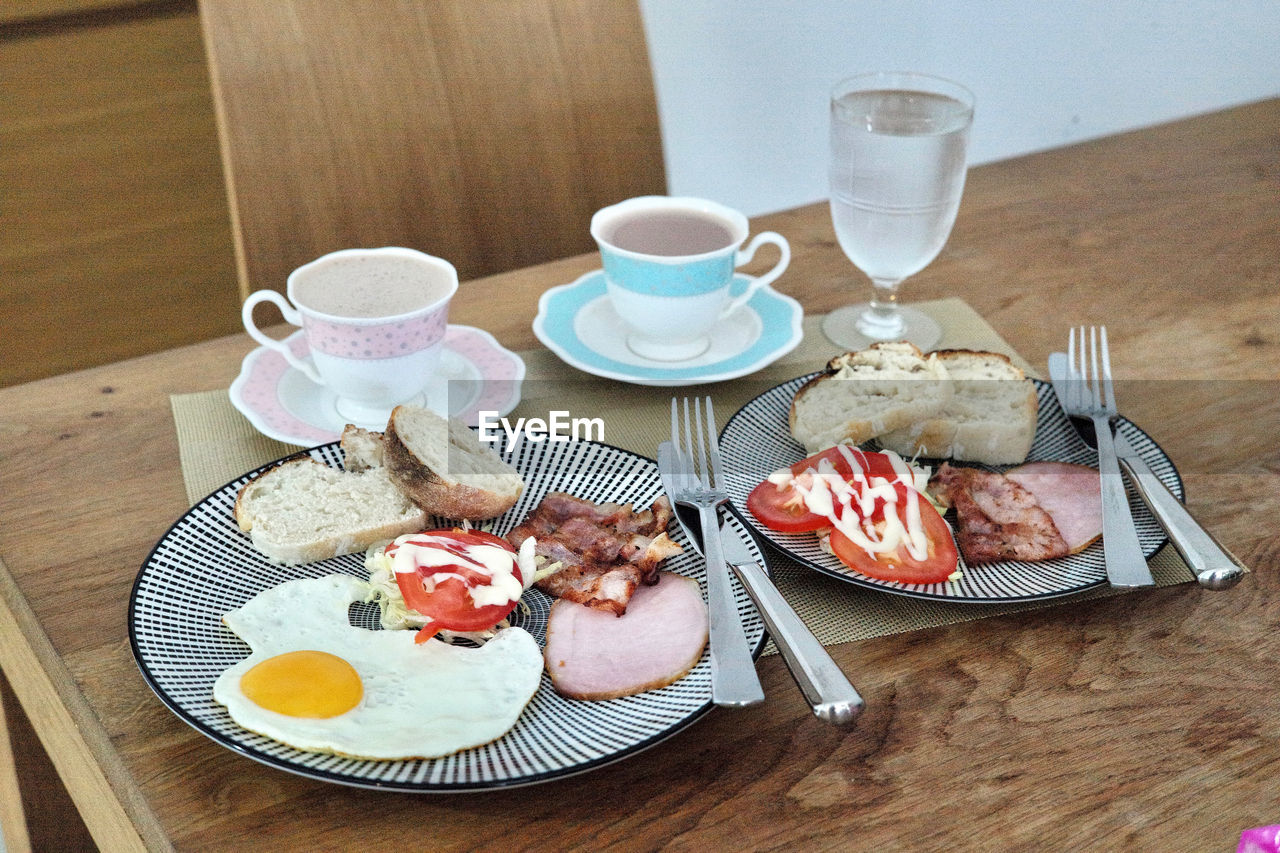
{"points": [[1213, 565], [824, 685]]}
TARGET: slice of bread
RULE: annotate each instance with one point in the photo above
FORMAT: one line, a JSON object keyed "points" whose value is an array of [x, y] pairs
{"points": [[989, 418], [444, 467], [362, 449], [301, 510], [861, 395]]}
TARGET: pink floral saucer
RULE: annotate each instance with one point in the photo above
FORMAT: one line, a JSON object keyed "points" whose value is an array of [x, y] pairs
{"points": [[477, 374]]}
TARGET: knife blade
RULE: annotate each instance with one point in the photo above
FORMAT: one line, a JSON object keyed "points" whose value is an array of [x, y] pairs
{"points": [[824, 685], [1214, 566]]}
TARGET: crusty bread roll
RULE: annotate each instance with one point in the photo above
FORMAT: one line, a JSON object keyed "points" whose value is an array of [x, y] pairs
{"points": [[300, 511], [990, 417], [861, 395], [444, 467]]}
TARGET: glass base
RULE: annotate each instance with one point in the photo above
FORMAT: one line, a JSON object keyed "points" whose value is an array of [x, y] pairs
{"points": [[842, 328]]}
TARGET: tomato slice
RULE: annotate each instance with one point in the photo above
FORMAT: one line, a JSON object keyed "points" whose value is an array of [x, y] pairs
{"points": [[899, 565], [782, 508], [449, 604]]}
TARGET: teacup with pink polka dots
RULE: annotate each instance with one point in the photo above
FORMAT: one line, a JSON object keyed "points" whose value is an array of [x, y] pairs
{"points": [[374, 321]]}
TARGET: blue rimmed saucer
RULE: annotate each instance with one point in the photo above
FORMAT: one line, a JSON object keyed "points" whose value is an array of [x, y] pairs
{"points": [[578, 323]]}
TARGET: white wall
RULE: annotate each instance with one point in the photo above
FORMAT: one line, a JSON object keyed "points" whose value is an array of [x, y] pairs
{"points": [[742, 84]]}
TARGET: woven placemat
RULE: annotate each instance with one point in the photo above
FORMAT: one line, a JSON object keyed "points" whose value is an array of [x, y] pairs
{"points": [[217, 444]]}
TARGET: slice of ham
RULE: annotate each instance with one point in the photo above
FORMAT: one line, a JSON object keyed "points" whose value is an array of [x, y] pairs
{"points": [[996, 518], [591, 654], [1070, 493]]}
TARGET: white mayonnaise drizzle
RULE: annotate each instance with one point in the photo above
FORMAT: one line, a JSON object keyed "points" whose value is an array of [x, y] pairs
{"points": [[414, 550], [823, 490]]}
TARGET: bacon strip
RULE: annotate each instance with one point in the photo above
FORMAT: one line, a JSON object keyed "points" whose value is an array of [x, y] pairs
{"points": [[997, 519], [607, 549]]}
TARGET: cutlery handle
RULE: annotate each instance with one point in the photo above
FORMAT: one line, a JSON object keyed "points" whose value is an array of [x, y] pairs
{"points": [[1213, 565], [733, 671], [1126, 567], [832, 697]]}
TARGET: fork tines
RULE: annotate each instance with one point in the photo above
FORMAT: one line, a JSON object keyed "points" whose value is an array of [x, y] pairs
{"points": [[1091, 370], [698, 454]]}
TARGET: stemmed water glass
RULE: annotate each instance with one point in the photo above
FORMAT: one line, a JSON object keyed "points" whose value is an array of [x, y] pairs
{"points": [[898, 159]]}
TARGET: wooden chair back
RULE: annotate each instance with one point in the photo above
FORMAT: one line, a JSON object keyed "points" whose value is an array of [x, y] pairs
{"points": [[485, 132]]}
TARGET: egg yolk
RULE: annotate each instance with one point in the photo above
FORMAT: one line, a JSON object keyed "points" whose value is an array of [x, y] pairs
{"points": [[304, 683]]}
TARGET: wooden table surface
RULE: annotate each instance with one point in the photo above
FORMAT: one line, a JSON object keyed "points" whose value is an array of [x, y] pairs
{"points": [[1147, 721]]}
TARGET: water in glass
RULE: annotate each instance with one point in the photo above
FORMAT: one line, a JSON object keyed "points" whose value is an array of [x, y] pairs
{"points": [[898, 159]]}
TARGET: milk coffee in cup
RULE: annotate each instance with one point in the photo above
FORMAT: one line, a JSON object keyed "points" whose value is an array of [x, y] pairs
{"points": [[374, 322]]}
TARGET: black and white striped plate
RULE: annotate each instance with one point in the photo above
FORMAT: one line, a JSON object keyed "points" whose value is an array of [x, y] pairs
{"points": [[757, 441], [204, 567]]}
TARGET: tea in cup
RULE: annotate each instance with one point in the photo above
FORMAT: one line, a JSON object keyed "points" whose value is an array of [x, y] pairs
{"points": [[374, 321], [669, 265]]}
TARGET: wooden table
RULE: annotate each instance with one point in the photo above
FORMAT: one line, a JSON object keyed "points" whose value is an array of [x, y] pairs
{"points": [[1149, 720]]}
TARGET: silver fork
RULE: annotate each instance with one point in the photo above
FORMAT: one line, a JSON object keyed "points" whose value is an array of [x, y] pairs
{"points": [[733, 672], [1095, 399]]}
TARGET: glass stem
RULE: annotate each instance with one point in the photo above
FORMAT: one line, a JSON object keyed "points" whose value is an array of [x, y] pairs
{"points": [[882, 321]]}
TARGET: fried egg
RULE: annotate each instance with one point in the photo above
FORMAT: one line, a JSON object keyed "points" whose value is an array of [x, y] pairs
{"points": [[318, 683]]}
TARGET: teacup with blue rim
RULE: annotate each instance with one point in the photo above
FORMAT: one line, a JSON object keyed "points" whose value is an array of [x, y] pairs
{"points": [[669, 263]]}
